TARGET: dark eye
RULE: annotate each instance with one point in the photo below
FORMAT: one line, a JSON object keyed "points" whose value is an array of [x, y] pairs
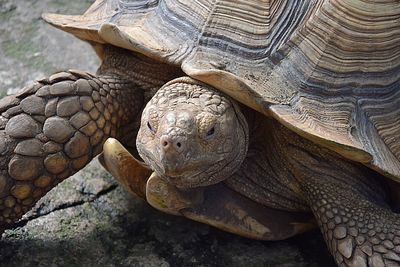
{"points": [[211, 132], [150, 128]]}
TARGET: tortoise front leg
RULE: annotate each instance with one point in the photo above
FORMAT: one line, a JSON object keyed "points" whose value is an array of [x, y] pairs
{"points": [[53, 128], [359, 228]]}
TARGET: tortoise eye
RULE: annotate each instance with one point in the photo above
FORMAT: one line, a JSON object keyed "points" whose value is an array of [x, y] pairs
{"points": [[211, 132], [150, 127]]}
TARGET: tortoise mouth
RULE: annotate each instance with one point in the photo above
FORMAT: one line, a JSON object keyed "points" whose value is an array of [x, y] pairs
{"points": [[188, 179]]}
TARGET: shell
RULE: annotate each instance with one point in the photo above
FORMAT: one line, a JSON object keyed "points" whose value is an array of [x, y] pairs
{"points": [[327, 69]]}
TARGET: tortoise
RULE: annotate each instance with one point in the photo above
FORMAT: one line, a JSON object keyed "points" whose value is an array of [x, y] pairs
{"points": [[261, 118]]}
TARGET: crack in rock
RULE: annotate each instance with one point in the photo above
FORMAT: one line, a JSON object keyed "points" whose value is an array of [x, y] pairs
{"points": [[37, 213]]}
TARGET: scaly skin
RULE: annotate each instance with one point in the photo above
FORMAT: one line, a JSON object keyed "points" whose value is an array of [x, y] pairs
{"points": [[193, 138], [53, 129], [349, 201]]}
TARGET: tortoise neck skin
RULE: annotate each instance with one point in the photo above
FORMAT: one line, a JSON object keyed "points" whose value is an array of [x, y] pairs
{"points": [[148, 74], [279, 161]]}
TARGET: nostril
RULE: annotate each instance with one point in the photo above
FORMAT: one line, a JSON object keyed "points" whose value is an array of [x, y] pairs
{"points": [[172, 143], [164, 141]]}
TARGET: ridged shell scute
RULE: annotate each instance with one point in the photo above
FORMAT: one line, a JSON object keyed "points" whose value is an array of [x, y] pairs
{"points": [[328, 69]]}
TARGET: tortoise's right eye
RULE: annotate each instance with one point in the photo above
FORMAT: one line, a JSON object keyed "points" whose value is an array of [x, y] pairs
{"points": [[150, 127]]}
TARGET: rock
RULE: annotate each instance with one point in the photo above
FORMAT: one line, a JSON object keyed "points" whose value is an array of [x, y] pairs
{"points": [[89, 214]]}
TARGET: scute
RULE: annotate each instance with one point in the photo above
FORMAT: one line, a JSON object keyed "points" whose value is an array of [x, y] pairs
{"points": [[329, 70]]}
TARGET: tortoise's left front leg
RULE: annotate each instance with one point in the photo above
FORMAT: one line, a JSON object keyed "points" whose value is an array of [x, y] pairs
{"points": [[359, 227]]}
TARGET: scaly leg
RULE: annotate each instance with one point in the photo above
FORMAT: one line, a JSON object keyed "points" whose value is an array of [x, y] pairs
{"points": [[53, 128], [359, 227]]}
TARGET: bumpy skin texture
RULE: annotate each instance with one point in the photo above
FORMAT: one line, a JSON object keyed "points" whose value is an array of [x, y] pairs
{"points": [[54, 128], [350, 202], [192, 137]]}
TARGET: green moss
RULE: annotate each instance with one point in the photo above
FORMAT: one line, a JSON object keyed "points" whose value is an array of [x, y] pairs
{"points": [[26, 50], [24, 47]]}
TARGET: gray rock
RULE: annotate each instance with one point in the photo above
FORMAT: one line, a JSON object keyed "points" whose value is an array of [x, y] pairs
{"points": [[88, 220]]}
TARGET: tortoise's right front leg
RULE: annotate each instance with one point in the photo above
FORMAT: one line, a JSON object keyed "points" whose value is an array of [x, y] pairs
{"points": [[53, 129]]}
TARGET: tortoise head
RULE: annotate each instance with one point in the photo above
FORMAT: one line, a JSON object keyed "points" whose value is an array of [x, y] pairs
{"points": [[192, 135]]}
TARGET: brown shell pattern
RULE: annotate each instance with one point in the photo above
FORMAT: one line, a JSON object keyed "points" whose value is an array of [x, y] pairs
{"points": [[327, 69]]}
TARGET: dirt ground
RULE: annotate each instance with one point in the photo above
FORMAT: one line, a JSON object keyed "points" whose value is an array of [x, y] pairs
{"points": [[88, 220]]}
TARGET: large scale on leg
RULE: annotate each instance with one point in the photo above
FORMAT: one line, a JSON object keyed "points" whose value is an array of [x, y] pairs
{"points": [[324, 74]]}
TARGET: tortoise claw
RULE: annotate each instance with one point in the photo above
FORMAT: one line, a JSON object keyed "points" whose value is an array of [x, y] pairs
{"points": [[129, 171]]}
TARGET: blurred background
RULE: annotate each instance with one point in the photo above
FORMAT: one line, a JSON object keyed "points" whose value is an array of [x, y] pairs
{"points": [[88, 220]]}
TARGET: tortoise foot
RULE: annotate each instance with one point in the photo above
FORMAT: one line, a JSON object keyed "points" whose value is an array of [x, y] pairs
{"points": [[51, 130], [358, 230]]}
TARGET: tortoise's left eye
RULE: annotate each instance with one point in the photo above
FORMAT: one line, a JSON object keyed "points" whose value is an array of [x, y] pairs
{"points": [[211, 132]]}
